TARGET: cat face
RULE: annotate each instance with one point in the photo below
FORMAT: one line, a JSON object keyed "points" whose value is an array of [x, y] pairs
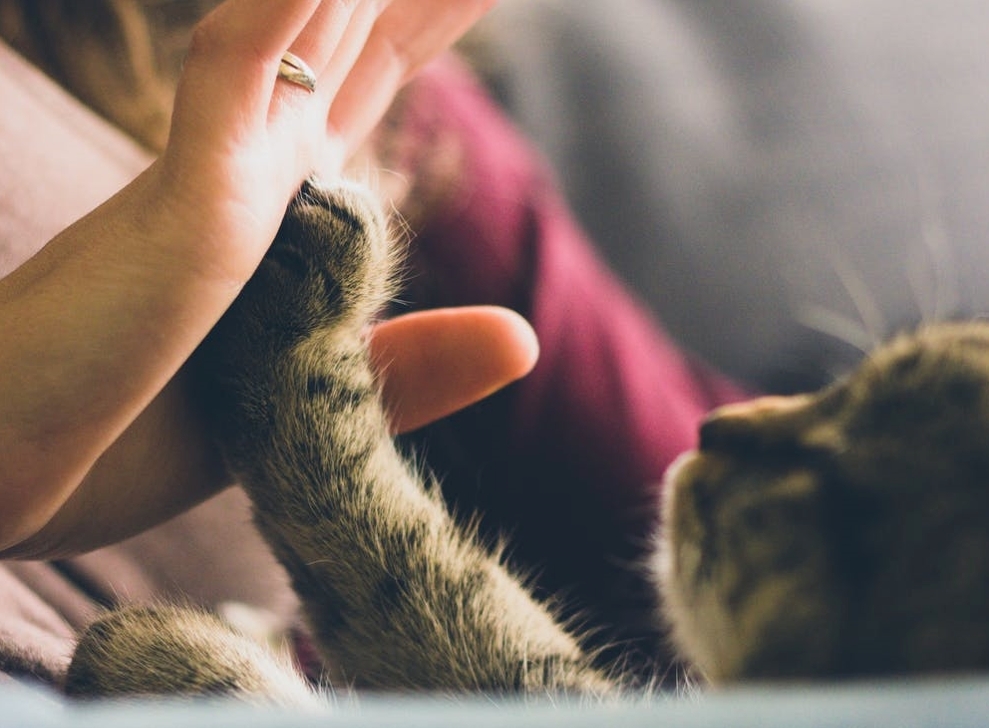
{"points": [[840, 533]]}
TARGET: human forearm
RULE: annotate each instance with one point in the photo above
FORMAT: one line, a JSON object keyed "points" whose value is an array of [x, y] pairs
{"points": [[161, 465], [94, 328]]}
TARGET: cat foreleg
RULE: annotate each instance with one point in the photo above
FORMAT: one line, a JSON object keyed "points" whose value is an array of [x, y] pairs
{"points": [[398, 596]]}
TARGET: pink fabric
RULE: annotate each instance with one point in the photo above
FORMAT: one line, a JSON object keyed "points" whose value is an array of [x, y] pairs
{"points": [[59, 160], [568, 461]]}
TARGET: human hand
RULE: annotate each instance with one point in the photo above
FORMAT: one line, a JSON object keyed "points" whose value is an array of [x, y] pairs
{"points": [[98, 323], [242, 140]]}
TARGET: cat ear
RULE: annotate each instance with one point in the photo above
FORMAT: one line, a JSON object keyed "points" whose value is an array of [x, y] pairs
{"points": [[771, 422], [758, 422]]}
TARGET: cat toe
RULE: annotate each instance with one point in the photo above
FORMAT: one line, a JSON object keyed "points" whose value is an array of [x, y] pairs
{"points": [[337, 238]]}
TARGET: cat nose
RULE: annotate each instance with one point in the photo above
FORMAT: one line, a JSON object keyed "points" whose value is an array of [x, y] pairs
{"points": [[736, 426]]}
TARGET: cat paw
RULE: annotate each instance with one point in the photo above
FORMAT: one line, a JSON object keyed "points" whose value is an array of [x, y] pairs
{"points": [[331, 262], [330, 266], [145, 651], [327, 273]]}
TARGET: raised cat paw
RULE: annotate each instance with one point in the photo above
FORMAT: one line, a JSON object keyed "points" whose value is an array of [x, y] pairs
{"points": [[328, 271], [330, 266]]}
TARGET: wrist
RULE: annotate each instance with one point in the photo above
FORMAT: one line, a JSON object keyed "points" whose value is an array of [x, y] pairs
{"points": [[196, 229]]}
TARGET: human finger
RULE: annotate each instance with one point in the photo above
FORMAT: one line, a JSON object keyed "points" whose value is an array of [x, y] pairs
{"points": [[436, 362], [298, 113], [232, 61], [329, 44], [406, 35]]}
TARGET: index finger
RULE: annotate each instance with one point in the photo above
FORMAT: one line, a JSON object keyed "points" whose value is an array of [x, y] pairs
{"points": [[407, 35]]}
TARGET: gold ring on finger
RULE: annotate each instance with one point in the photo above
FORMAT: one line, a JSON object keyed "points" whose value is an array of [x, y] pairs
{"points": [[296, 71]]}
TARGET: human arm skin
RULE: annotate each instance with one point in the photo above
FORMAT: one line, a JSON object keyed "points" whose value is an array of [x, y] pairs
{"points": [[99, 437]]}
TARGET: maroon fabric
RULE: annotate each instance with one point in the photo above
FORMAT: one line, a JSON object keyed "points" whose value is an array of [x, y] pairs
{"points": [[567, 461]]}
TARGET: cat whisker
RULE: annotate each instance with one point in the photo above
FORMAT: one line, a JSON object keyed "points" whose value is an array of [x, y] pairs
{"points": [[838, 326], [873, 321], [319, 562], [932, 273]]}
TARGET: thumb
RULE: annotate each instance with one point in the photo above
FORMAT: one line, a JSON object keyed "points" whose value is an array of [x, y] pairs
{"points": [[433, 363]]}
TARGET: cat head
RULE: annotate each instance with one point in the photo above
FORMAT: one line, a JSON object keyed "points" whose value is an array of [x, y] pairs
{"points": [[840, 533]]}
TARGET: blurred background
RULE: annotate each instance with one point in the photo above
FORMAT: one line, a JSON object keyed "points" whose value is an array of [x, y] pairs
{"points": [[784, 182]]}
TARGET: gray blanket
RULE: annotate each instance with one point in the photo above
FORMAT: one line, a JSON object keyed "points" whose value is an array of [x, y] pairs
{"points": [[782, 180]]}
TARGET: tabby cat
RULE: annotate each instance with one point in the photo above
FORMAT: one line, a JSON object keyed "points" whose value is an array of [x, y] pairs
{"points": [[844, 533], [839, 534]]}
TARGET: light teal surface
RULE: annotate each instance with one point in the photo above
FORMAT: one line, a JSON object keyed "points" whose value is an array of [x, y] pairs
{"points": [[950, 704]]}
